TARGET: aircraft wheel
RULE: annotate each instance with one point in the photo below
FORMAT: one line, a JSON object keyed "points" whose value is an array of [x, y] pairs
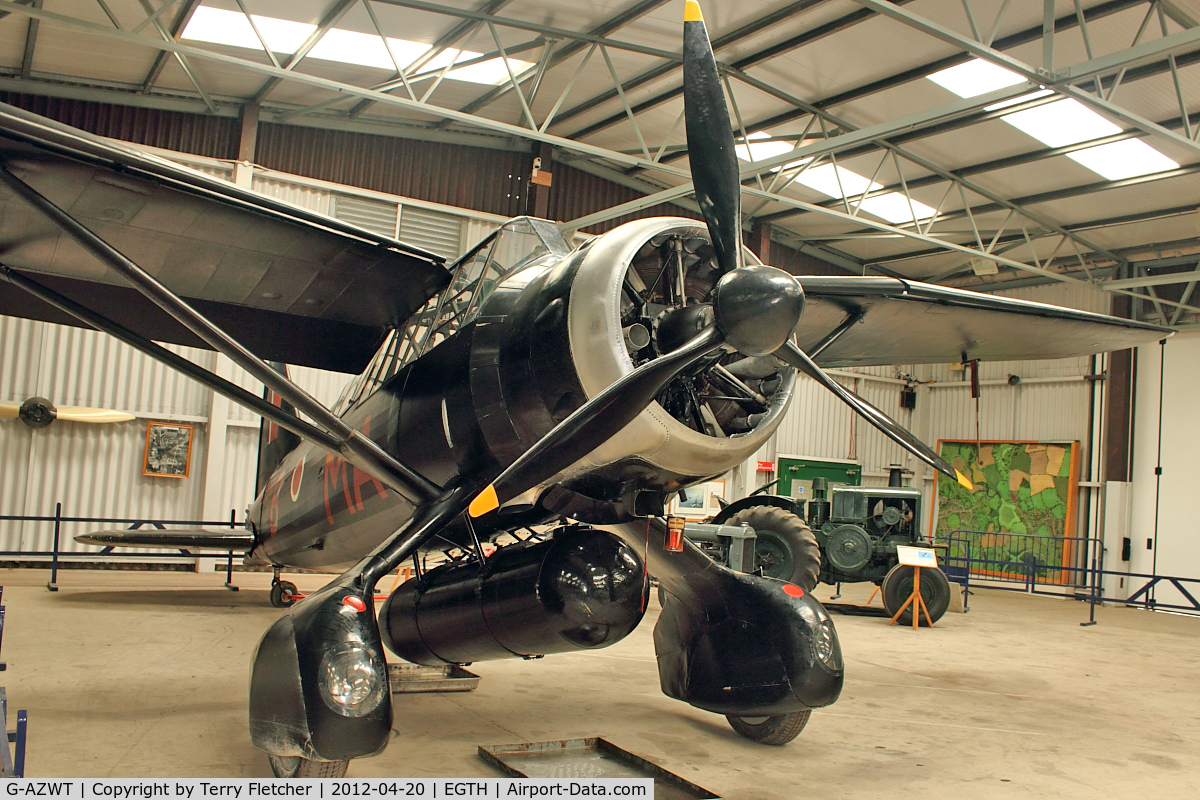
{"points": [[776, 730], [297, 767], [898, 586], [784, 547], [282, 594]]}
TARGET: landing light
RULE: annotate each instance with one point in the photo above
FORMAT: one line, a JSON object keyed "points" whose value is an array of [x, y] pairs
{"points": [[351, 683]]}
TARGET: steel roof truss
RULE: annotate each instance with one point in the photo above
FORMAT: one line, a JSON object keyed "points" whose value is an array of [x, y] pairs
{"points": [[180, 57]]}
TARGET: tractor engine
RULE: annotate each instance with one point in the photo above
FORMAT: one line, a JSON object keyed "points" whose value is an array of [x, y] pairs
{"points": [[581, 589], [859, 527]]}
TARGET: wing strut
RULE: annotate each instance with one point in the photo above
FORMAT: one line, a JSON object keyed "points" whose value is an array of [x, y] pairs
{"points": [[177, 362], [347, 442]]}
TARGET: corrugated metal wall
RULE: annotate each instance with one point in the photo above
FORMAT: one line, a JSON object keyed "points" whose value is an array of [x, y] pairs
{"points": [[216, 137], [576, 193], [93, 470], [466, 177]]}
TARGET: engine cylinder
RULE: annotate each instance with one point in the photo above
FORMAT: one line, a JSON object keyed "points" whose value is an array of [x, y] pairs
{"points": [[583, 589]]}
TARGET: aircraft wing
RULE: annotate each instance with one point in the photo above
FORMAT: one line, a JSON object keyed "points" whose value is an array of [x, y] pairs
{"points": [[292, 285], [178, 538], [906, 322]]}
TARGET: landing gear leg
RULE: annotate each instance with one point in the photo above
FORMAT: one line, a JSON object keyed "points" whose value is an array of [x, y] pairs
{"points": [[283, 593]]}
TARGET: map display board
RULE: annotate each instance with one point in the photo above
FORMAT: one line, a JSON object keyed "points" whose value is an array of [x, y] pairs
{"points": [[1022, 509]]}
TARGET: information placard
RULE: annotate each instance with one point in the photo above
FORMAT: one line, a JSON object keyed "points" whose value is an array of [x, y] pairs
{"points": [[916, 556]]}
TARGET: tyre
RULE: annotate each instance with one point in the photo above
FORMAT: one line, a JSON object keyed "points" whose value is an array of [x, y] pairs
{"points": [[776, 730], [297, 767], [898, 586], [784, 547], [282, 594]]}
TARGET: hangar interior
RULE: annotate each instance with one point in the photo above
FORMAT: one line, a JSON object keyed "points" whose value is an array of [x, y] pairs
{"points": [[1038, 151]]}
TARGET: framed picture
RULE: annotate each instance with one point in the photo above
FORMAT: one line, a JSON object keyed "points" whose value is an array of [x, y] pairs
{"points": [[168, 450], [701, 501]]}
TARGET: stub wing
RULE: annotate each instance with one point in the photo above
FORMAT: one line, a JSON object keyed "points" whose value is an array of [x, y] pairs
{"points": [[906, 322], [177, 539]]}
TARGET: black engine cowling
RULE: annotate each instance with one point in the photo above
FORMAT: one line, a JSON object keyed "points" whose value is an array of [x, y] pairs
{"points": [[582, 589]]}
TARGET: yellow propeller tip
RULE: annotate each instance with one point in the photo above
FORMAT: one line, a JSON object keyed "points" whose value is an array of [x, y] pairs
{"points": [[484, 502], [965, 481], [691, 12]]}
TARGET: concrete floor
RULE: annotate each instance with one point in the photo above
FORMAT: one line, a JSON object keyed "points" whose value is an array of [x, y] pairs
{"points": [[145, 675]]}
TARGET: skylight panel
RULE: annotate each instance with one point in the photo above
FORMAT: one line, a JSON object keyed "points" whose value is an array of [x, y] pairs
{"points": [[491, 72], [352, 47], [974, 78], [1061, 123], [833, 184], [1123, 159], [1057, 124], [894, 207], [219, 26], [891, 206], [753, 150]]}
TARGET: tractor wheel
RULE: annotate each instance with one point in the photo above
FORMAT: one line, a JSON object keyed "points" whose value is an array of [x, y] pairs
{"points": [[784, 547], [776, 730], [297, 767], [898, 586]]}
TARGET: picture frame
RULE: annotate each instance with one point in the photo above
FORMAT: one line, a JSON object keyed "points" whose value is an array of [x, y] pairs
{"points": [[168, 452], [701, 502]]}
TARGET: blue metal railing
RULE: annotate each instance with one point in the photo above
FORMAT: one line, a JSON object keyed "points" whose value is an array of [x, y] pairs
{"points": [[1054, 565], [108, 552]]}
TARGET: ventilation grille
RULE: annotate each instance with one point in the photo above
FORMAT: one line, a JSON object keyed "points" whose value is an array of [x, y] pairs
{"points": [[376, 216], [437, 232]]}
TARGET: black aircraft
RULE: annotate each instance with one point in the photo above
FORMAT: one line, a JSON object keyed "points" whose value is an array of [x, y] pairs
{"points": [[527, 386]]}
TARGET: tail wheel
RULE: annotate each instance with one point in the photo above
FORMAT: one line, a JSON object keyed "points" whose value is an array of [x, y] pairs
{"points": [[898, 587], [784, 546], [283, 594], [776, 730], [297, 767]]}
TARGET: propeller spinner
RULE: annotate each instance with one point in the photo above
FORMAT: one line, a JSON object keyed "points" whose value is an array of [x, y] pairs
{"points": [[755, 308]]}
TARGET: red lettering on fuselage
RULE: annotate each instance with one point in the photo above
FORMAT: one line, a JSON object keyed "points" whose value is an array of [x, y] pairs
{"points": [[361, 478], [271, 496], [336, 470], [273, 427]]}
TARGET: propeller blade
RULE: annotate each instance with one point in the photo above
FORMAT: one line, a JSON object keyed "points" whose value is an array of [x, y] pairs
{"points": [[72, 414], [9, 411], [710, 142], [793, 355], [593, 423]]}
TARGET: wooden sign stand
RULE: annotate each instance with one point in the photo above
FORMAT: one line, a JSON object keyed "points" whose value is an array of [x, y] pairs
{"points": [[916, 601], [915, 557]]}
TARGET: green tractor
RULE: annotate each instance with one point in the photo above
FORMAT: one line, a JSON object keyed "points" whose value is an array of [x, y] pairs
{"points": [[849, 535]]}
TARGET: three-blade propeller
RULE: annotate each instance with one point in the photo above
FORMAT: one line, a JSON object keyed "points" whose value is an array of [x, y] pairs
{"points": [[754, 311]]}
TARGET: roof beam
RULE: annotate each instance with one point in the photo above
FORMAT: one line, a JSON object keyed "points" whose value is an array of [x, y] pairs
{"points": [[441, 43], [160, 61], [893, 80], [1001, 59], [732, 37], [330, 19], [600, 31], [30, 43], [1151, 280], [1172, 44], [180, 57], [807, 37]]}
